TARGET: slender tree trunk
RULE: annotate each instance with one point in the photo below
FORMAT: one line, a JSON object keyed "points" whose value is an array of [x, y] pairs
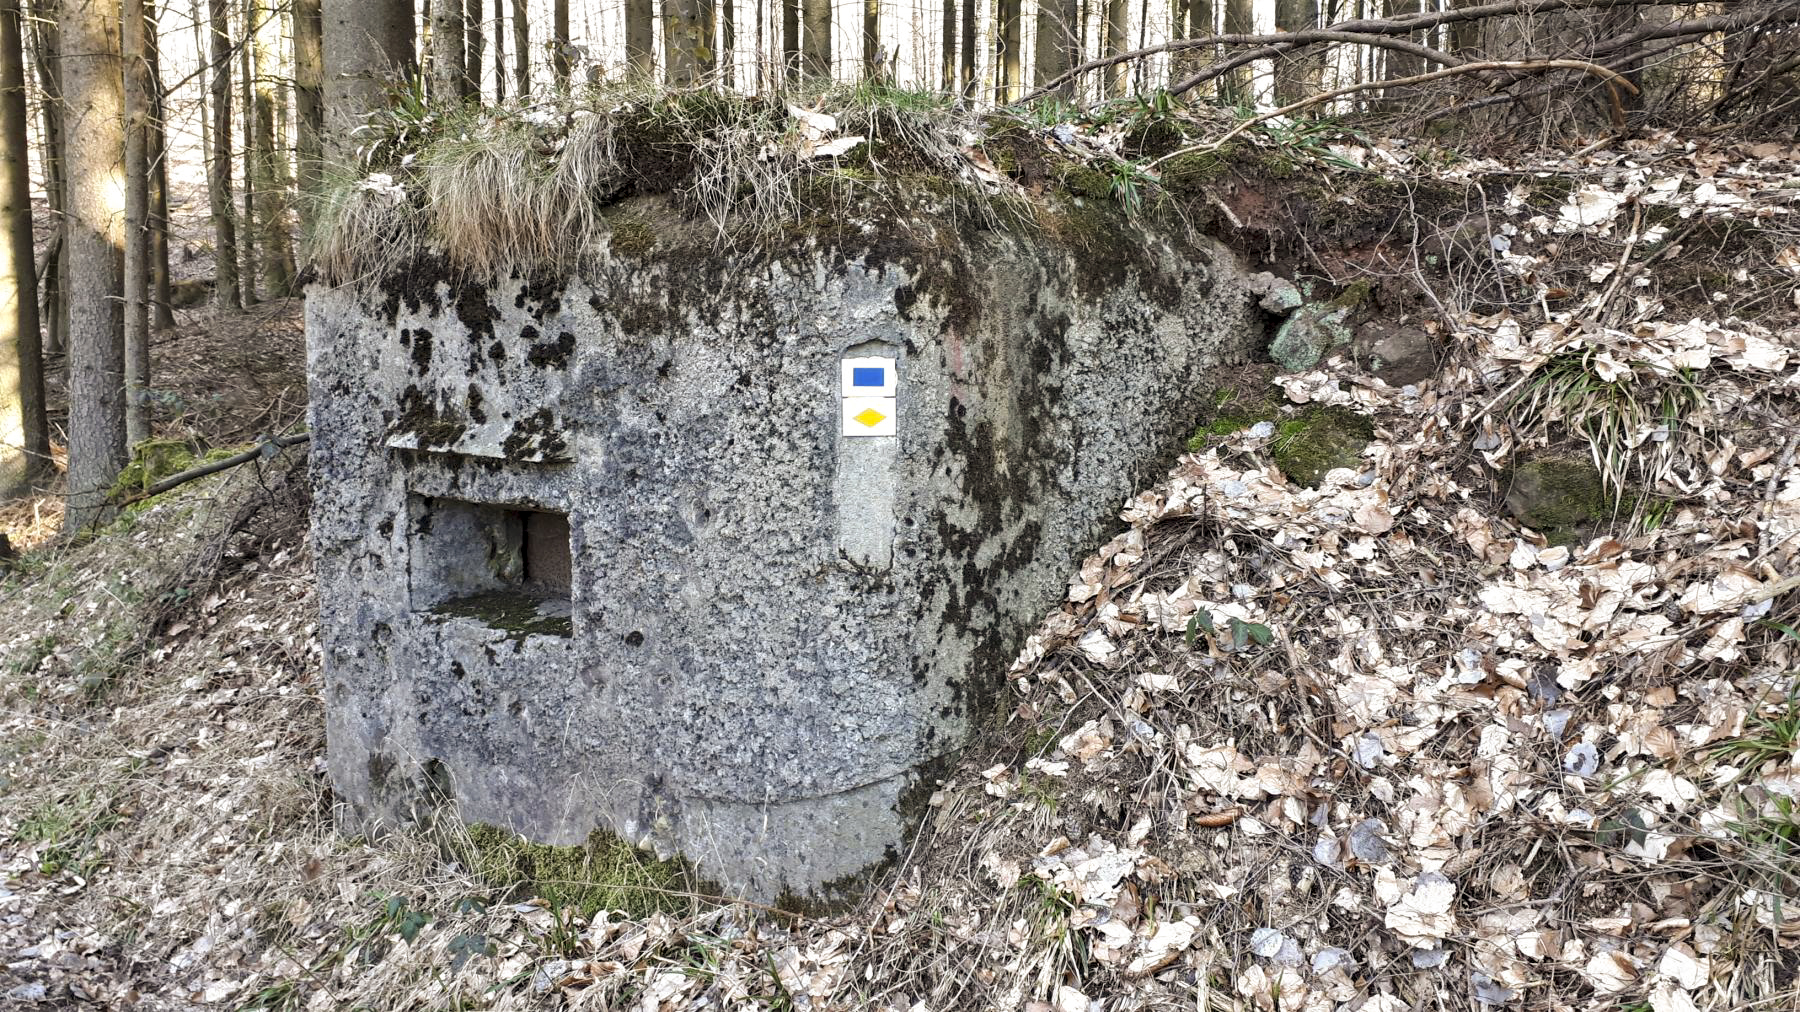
{"points": [[225, 247], [1293, 77], [137, 225], [790, 41], [268, 162], [24, 429], [1115, 44], [521, 48], [967, 42], [476, 39], [246, 112], [871, 39], [817, 14], [687, 41], [728, 42], [449, 56], [163, 316], [947, 52], [46, 45], [309, 108], [1465, 36], [1055, 43], [95, 138], [640, 51], [368, 44], [559, 55], [500, 50], [1006, 50]]}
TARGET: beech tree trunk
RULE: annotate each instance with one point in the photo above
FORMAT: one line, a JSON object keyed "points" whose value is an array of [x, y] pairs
{"points": [[267, 161], [640, 53], [1054, 44], [137, 224], [817, 14], [24, 429], [368, 46], [94, 102], [218, 175], [687, 41], [521, 48], [449, 55]]}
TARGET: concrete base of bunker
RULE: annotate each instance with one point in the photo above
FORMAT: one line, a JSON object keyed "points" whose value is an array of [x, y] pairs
{"points": [[714, 550]]}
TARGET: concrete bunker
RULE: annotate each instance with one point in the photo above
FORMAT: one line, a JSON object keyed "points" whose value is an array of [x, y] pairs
{"points": [[720, 548]]}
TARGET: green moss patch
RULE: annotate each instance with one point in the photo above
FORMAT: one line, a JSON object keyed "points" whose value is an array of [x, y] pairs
{"points": [[1562, 498], [605, 873], [1230, 412], [1308, 446], [515, 613]]}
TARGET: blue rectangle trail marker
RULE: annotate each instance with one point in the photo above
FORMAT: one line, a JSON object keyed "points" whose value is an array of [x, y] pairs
{"points": [[864, 376]]}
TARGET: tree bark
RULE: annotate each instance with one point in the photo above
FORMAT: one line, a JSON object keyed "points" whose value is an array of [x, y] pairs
{"points": [[46, 45], [268, 162], [559, 53], [968, 49], [790, 41], [1294, 71], [687, 41], [248, 268], [24, 428], [449, 55], [500, 70], [94, 141], [1235, 87], [309, 107], [162, 313], [640, 51], [476, 39], [1006, 51], [817, 14], [728, 42], [218, 177], [368, 47], [521, 48], [137, 224], [1116, 41], [1055, 44]]}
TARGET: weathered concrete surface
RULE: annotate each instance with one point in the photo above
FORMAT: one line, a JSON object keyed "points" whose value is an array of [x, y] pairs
{"points": [[770, 628]]}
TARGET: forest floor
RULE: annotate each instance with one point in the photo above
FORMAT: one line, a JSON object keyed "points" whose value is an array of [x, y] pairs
{"points": [[1433, 728]]}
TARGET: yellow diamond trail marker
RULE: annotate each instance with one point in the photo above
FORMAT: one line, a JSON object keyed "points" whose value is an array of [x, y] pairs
{"points": [[869, 416]]}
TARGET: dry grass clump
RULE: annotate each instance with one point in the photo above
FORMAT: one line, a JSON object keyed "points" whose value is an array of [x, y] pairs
{"points": [[524, 185]]}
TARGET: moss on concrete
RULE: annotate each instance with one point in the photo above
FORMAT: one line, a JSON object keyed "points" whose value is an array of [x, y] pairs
{"points": [[1562, 498], [515, 613], [605, 873], [1310, 445]]}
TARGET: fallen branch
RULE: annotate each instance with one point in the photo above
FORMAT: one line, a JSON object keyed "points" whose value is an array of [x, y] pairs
{"points": [[1612, 77], [1362, 31], [266, 448]]}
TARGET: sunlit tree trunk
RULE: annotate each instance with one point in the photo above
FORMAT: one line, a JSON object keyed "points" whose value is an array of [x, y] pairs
{"points": [[24, 429], [309, 108], [817, 55], [94, 140], [640, 53], [368, 49], [1115, 44], [871, 39]]}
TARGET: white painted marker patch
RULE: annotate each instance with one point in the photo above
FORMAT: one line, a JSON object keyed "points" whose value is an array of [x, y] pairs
{"points": [[869, 416]]}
